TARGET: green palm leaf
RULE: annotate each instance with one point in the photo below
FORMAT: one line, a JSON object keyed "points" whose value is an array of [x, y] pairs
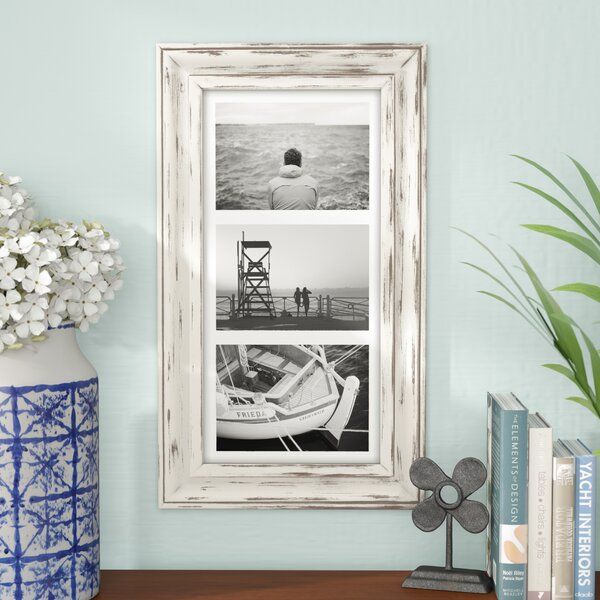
{"points": [[595, 367], [587, 289], [566, 340], [594, 359], [561, 207], [502, 266], [525, 314], [513, 307], [541, 310], [574, 239], [562, 186], [589, 182], [583, 402], [565, 371]]}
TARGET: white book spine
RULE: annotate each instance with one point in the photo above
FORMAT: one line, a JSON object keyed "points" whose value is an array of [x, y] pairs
{"points": [[539, 560]]}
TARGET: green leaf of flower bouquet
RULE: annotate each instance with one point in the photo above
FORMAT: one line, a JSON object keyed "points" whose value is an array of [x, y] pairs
{"points": [[587, 289], [574, 239]]}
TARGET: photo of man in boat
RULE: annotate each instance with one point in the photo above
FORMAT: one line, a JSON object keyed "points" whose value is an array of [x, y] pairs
{"points": [[258, 268], [292, 398]]}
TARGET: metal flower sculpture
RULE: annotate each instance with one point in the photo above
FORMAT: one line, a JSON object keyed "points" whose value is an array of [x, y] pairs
{"points": [[448, 501]]}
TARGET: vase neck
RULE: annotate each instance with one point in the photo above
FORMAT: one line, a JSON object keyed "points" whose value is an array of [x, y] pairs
{"points": [[56, 359]]}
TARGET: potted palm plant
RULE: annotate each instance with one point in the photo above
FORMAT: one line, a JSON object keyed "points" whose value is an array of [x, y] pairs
{"points": [[540, 308]]}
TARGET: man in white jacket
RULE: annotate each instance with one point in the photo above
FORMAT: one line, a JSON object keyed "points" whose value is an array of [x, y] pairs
{"points": [[292, 189]]}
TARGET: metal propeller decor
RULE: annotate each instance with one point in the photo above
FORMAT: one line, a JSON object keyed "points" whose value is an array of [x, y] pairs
{"points": [[448, 501]]}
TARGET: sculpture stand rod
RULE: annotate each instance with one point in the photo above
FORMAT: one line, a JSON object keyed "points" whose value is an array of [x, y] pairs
{"points": [[449, 542]]}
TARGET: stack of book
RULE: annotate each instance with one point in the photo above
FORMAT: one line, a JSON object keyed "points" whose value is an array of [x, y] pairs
{"points": [[542, 496]]}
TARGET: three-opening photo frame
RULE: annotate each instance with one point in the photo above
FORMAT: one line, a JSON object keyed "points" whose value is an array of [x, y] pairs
{"points": [[291, 221]]}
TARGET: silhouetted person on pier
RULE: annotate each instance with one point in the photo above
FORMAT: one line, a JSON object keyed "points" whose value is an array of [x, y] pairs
{"points": [[298, 300], [292, 189], [306, 299]]}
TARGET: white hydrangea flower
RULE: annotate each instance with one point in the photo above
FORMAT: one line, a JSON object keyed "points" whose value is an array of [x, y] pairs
{"points": [[113, 286], [32, 321], [84, 265], [70, 289], [95, 240], [51, 272], [21, 244], [106, 262], [9, 306], [75, 309], [59, 270], [34, 300], [95, 289], [85, 323], [36, 280], [7, 338], [57, 310], [10, 273], [41, 256], [6, 207]]}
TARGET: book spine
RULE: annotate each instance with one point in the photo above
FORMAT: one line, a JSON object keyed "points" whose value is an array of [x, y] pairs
{"points": [[510, 501], [563, 517], [539, 547], [585, 528], [491, 467]]}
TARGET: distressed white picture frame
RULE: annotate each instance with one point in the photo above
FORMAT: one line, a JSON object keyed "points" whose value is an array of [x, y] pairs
{"points": [[185, 72]]}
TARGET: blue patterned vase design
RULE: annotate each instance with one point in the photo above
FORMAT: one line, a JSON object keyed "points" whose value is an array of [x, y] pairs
{"points": [[49, 529]]}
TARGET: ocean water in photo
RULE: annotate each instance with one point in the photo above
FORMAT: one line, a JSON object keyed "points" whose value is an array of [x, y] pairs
{"points": [[354, 440], [248, 156]]}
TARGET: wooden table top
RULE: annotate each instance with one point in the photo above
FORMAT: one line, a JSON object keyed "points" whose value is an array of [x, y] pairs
{"points": [[266, 585]]}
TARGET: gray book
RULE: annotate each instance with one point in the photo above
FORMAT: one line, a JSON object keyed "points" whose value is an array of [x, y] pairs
{"points": [[507, 457], [563, 520]]}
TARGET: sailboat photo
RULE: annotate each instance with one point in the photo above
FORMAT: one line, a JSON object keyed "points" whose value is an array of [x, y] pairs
{"points": [[267, 392]]}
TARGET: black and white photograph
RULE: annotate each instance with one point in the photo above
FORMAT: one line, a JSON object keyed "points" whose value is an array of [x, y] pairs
{"points": [[292, 155], [292, 398], [292, 277]]}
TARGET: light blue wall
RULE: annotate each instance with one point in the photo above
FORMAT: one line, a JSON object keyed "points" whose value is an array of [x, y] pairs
{"points": [[77, 115]]}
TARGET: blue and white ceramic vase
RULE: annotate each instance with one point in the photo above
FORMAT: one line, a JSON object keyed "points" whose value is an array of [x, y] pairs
{"points": [[49, 531]]}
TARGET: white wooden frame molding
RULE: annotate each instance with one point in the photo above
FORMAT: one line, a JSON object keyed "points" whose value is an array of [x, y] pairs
{"points": [[184, 73]]}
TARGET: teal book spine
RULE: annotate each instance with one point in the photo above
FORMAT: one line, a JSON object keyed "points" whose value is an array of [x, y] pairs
{"points": [[584, 558], [508, 461]]}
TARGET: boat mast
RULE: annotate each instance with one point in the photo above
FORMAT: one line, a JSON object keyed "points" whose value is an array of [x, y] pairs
{"points": [[242, 356]]}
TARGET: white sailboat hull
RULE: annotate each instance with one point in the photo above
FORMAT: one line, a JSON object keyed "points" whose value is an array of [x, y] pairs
{"points": [[282, 426]]}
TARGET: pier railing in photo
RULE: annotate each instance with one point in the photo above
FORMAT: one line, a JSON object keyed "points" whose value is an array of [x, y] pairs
{"points": [[349, 308]]}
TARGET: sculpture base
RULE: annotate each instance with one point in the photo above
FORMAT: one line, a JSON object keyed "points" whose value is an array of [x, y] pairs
{"points": [[451, 580]]}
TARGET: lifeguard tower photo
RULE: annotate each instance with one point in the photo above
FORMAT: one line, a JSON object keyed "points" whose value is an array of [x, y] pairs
{"points": [[280, 277]]}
